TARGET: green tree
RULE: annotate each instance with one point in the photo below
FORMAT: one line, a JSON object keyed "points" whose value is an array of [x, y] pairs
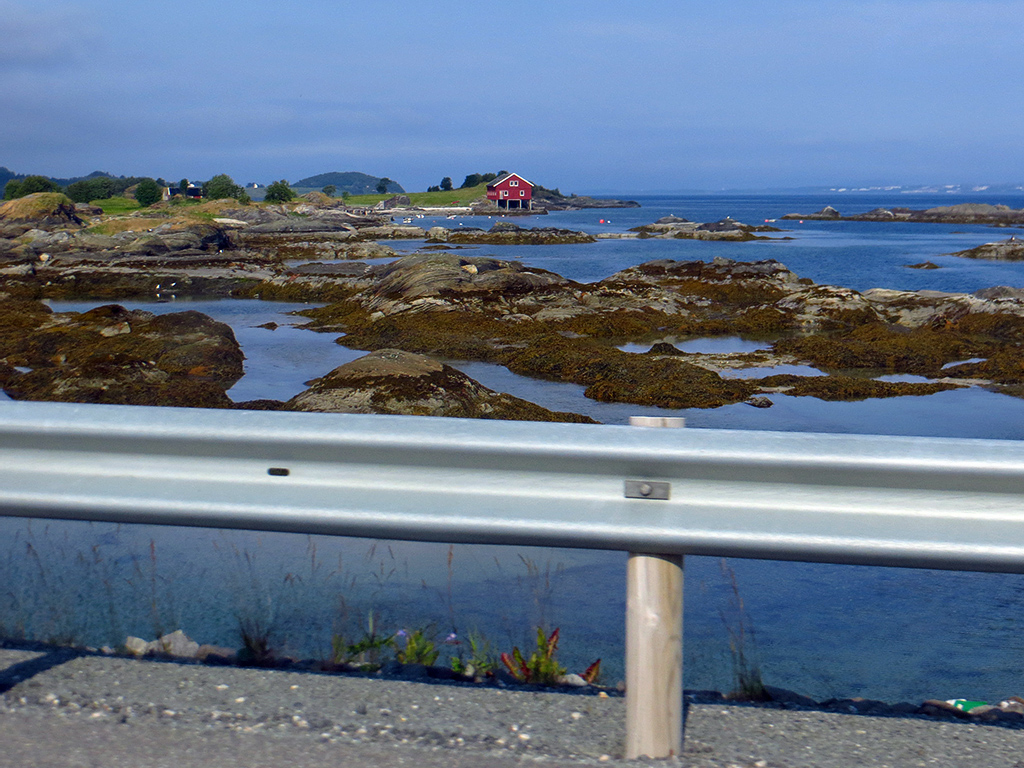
{"points": [[446, 184], [28, 186], [329, 190], [32, 184], [279, 192], [183, 185], [478, 178], [87, 190], [382, 185], [222, 186], [148, 192]]}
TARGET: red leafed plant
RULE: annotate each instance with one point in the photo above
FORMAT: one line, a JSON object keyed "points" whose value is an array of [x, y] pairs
{"points": [[542, 668], [592, 673]]}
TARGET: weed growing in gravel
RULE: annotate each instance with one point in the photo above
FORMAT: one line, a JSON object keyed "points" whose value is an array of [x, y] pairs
{"points": [[480, 661], [742, 643], [256, 650], [368, 653], [419, 649]]}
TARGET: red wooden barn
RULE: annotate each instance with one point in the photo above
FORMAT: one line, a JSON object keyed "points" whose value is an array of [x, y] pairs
{"points": [[511, 191]]}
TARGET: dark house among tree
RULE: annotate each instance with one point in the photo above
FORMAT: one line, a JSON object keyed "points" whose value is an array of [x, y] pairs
{"points": [[511, 191], [192, 192]]}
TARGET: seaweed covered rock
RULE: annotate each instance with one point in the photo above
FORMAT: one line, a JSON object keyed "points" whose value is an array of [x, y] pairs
{"points": [[677, 228], [507, 233], [113, 355], [397, 382], [880, 347], [444, 274], [611, 375], [848, 388]]}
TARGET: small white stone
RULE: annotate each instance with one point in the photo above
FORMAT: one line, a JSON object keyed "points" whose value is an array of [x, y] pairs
{"points": [[240, 699], [576, 715]]}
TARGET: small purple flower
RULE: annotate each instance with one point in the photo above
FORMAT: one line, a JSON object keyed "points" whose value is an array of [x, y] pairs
{"points": [[401, 633], [452, 639]]}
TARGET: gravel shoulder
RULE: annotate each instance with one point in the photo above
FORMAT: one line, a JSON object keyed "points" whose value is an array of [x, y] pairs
{"points": [[64, 709]]}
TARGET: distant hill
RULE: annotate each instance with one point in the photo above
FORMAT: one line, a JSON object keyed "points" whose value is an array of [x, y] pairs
{"points": [[93, 175], [353, 182], [6, 174]]}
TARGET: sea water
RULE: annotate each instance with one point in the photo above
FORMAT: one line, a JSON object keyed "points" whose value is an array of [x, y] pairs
{"points": [[820, 629]]}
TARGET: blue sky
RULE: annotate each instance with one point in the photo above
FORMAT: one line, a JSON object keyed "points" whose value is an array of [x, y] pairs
{"points": [[594, 95]]}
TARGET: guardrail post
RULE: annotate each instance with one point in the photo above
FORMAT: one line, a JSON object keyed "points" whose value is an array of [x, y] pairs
{"points": [[654, 645]]}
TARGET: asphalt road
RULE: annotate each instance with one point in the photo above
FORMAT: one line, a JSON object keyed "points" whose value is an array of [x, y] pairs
{"points": [[65, 710]]}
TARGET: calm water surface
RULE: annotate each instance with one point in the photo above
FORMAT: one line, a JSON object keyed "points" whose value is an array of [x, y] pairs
{"points": [[823, 630]]}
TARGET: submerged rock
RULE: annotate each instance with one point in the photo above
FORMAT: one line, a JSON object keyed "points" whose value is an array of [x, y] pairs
{"points": [[397, 382]]}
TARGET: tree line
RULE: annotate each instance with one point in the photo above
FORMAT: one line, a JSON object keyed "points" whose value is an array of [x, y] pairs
{"points": [[144, 189]]}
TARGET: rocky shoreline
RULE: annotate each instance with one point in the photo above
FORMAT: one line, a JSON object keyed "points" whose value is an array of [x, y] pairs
{"points": [[964, 213], [442, 304]]}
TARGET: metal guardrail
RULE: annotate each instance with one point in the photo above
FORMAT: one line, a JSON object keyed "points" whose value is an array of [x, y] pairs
{"points": [[926, 502], [897, 501]]}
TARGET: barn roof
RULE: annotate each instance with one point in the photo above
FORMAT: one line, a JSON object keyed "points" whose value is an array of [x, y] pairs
{"points": [[506, 177]]}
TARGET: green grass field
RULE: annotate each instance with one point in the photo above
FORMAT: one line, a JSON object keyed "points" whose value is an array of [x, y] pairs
{"points": [[116, 205]]}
